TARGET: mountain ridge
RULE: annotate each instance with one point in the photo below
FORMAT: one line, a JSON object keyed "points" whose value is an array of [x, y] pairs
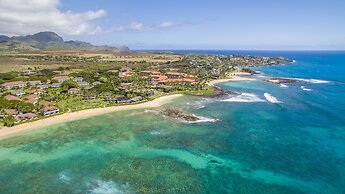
{"points": [[51, 40]]}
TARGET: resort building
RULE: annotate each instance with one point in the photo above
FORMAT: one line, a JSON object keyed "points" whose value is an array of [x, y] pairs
{"points": [[10, 97], [83, 84], [78, 79], [48, 110], [73, 91], [34, 83], [24, 117], [10, 85], [43, 86], [96, 83], [61, 78], [32, 98], [55, 85], [11, 112], [122, 100], [18, 92]]}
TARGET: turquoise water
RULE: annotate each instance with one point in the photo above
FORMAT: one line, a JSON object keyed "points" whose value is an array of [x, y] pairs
{"points": [[296, 146]]}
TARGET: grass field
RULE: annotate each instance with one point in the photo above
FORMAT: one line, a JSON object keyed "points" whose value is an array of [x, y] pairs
{"points": [[52, 59]]}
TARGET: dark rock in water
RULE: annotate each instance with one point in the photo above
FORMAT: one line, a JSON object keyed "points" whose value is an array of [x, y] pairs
{"points": [[281, 80], [217, 93], [214, 161], [178, 114]]}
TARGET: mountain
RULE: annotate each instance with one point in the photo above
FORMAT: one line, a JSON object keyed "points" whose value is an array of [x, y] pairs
{"points": [[50, 40], [4, 38]]}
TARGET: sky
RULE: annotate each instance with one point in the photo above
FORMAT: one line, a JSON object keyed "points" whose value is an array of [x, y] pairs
{"points": [[184, 24]]}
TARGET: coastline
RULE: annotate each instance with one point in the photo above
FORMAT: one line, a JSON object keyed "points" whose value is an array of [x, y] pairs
{"points": [[25, 127], [232, 78], [70, 116]]}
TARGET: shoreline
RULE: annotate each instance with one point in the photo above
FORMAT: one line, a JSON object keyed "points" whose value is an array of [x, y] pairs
{"points": [[6, 132], [232, 78], [70, 116]]}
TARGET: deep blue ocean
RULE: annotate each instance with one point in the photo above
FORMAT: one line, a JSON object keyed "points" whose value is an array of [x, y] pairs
{"points": [[245, 145], [299, 142]]}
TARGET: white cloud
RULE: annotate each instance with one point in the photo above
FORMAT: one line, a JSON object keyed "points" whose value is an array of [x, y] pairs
{"points": [[19, 17], [139, 26], [167, 24], [136, 26]]}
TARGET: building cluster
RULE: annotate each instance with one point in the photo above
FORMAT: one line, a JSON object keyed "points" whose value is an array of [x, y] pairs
{"points": [[31, 92]]}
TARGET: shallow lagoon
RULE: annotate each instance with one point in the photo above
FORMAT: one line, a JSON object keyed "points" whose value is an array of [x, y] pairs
{"points": [[297, 146]]}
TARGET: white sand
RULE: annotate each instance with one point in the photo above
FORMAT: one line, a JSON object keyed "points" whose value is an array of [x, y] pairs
{"points": [[9, 131]]}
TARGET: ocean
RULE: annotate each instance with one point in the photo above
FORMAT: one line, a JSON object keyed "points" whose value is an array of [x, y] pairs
{"points": [[270, 139]]}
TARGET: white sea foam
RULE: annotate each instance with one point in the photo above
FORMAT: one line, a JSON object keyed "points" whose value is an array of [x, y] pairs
{"points": [[200, 107], [155, 133], [150, 111], [64, 177], [271, 98], [306, 89], [105, 187], [313, 81], [283, 85], [202, 119], [244, 97]]}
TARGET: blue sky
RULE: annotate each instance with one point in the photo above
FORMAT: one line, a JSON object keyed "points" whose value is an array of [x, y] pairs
{"points": [[205, 24]]}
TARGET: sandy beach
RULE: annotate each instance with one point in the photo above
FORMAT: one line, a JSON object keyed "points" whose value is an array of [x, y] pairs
{"points": [[232, 78], [10, 131]]}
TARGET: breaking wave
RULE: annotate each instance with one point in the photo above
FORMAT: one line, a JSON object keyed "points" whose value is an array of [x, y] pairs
{"points": [[283, 85], [154, 133], [63, 176], [244, 97], [306, 89], [203, 120], [271, 98], [313, 81], [151, 111], [105, 187]]}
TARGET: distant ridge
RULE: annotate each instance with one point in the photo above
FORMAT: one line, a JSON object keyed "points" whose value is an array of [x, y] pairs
{"points": [[51, 40]]}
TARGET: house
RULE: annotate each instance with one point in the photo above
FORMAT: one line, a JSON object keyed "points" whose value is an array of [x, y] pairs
{"points": [[73, 91], [34, 83], [157, 78], [24, 117], [47, 103], [36, 91], [10, 85], [29, 72], [78, 79], [175, 75], [122, 100], [88, 87], [32, 99], [181, 80], [96, 83], [57, 72], [89, 97], [55, 85], [61, 78], [11, 112], [83, 84], [125, 74], [18, 92], [43, 86], [137, 99], [48, 110], [10, 97], [125, 69]]}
